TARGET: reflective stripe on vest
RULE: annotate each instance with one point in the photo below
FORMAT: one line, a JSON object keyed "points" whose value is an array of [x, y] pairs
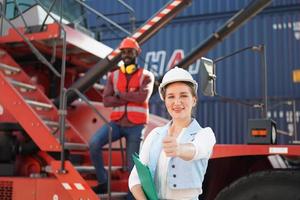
{"points": [[136, 112], [115, 80]]}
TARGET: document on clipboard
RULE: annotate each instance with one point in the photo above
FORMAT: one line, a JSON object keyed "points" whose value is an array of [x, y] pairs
{"points": [[145, 178]]}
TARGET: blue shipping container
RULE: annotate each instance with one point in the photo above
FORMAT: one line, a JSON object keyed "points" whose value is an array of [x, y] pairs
{"points": [[144, 9]]}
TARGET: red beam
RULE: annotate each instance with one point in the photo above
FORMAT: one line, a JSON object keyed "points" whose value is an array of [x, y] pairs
{"points": [[228, 150]]}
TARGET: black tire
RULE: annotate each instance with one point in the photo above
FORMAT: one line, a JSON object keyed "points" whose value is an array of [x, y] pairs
{"points": [[266, 185]]}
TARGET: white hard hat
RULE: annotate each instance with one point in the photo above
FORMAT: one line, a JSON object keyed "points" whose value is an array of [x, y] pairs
{"points": [[176, 75]]}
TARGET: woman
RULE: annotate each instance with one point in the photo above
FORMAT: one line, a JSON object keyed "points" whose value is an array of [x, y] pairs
{"points": [[177, 153]]}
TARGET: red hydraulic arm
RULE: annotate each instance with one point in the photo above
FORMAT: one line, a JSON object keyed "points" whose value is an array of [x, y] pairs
{"points": [[229, 150]]}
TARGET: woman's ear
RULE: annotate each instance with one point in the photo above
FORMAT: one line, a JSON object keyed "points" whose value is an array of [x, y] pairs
{"points": [[194, 101]]}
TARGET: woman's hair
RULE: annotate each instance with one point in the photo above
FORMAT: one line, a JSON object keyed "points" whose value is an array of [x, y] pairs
{"points": [[191, 86]]}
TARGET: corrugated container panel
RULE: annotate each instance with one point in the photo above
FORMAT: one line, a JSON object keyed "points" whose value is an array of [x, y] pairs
{"points": [[145, 9], [229, 121]]}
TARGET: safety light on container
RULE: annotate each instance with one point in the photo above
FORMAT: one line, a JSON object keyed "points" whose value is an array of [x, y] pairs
{"points": [[259, 132]]}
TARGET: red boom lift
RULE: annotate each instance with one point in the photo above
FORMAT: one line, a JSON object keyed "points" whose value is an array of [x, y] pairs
{"points": [[43, 142]]}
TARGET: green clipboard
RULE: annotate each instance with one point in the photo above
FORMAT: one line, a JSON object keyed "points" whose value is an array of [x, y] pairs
{"points": [[145, 178]]}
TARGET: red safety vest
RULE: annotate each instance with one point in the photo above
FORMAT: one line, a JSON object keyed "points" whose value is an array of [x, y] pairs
{"points": [[137, 113]]}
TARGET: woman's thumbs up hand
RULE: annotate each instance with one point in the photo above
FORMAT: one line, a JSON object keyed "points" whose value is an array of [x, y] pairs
{"points": [[170, 146]]}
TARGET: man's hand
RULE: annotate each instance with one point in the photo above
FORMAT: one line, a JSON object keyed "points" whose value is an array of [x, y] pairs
{"points": [[117, 94], [170, 146]]}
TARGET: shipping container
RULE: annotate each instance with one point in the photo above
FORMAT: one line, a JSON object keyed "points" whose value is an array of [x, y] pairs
{"points": [[238, 77]]}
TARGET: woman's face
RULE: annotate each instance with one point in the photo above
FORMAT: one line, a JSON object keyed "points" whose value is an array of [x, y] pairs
{"points": [[179, 100]]}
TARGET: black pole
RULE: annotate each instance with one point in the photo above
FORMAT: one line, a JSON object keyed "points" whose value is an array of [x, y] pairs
{"points": [[21, 14], [48, 13], [264, 80], [3, 10]]}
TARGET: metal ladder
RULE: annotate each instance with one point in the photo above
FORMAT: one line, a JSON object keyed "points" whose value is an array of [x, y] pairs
{"points": [[40, 116]]}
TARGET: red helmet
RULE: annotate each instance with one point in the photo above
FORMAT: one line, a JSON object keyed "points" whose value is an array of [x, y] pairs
{"points": [[130, 43]]}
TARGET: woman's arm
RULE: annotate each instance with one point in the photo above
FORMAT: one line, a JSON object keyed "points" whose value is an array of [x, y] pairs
{"points": [[174, 149], [135, 185], [138, 193], [201, 147], [186, 151], [204, 143], [134, 181]]}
